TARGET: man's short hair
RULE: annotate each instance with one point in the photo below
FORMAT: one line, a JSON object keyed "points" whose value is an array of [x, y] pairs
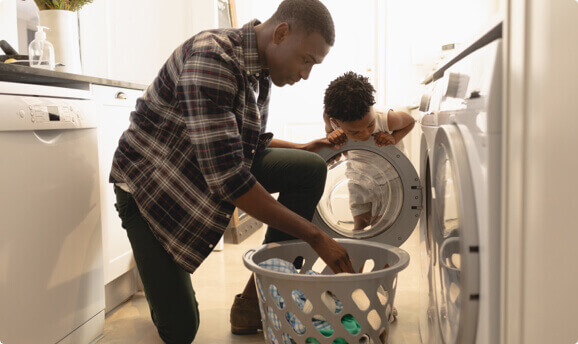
{"points": [[349, 97], [310, 15]]}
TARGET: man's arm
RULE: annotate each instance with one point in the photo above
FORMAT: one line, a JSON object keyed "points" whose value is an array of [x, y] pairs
{"points": [[258, 203], [312, 146]]}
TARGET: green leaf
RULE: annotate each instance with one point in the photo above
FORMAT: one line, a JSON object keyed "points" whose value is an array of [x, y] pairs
{"points": [[69, 5]]}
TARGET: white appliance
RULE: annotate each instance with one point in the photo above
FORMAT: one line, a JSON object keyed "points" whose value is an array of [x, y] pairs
{"points": [[429, 123], [51, 275], [460, 229]]}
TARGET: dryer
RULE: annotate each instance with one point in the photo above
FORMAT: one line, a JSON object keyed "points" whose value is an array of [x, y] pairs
{"points": [[465, 196], [432, 106]]}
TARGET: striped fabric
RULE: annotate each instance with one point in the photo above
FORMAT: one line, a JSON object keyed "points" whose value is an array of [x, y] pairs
{"points": [[192, 137]]}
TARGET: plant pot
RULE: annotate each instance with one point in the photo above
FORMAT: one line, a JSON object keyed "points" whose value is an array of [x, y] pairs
{"points": [[63, 35]]}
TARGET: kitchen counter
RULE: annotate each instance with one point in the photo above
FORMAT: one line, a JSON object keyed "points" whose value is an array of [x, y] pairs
{"points": [[38, 76]]}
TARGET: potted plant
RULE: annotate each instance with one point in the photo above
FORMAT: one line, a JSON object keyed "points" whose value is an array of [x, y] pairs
{"points": [[66, 5], [61, 18]]}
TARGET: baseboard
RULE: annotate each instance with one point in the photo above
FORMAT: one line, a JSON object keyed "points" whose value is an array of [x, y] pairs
{"points": [[120, 289]]}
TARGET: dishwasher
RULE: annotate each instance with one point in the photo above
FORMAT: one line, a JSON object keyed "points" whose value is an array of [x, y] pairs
{"points": [[51, 267]]}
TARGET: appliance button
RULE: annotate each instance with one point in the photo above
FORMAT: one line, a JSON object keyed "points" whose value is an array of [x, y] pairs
{"points": [[424, 102]]}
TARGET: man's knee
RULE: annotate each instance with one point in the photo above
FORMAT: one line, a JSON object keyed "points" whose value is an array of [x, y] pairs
{"points": [[315, 169], [179, 332], [180, 328]]}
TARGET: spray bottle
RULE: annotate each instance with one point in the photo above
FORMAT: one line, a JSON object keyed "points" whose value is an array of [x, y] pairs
{"points": [[40, 51]]}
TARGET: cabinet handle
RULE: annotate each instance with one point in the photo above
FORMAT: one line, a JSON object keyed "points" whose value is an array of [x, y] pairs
{"points": [[120, 95]]}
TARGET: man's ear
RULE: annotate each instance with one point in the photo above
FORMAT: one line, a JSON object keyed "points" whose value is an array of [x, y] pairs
{"points": [[281, 32]]}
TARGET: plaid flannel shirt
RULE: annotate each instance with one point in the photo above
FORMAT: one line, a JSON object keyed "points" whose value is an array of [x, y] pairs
{"points": [[192, 138]]}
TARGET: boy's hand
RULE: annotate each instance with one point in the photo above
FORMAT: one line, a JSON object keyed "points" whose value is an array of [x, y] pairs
{"points": [[337, 137], [383, 139]]}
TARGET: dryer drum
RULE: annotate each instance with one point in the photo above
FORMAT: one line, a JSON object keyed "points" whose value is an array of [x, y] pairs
{"points": [[371, 193]]}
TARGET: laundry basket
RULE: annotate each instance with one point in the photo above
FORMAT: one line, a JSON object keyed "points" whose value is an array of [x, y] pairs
{"points": [[326, 308]]}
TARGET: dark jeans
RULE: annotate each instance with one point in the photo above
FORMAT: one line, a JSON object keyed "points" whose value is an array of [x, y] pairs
{"points": [[297, 175]]}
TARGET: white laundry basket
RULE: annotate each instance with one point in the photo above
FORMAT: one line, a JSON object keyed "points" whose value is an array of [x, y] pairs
{"points": [[302, 308]]}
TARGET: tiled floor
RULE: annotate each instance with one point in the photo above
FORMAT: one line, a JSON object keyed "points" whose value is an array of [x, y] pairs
{"points": [[222, 276]]}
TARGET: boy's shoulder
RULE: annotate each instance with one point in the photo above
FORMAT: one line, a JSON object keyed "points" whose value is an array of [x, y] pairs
{"points": [[382, 112], [382, 115]]}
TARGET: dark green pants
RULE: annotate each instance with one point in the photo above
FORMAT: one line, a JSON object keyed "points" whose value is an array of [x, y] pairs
{"points": [[299, 178]]}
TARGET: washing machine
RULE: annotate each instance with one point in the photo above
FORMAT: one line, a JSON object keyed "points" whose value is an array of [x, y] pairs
{"points": [[462, 198], [385, 172]]}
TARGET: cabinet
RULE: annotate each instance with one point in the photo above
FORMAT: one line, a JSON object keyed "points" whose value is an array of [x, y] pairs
{"points": [[116, 105], [131, 39]]}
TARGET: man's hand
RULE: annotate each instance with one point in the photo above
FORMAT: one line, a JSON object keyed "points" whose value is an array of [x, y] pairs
{"points": [[337, 137], [259, 204], [383, 139], [332, 253]]}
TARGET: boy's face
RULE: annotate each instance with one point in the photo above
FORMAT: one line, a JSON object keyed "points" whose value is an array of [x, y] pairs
{"points": [[293, 54], [359, 130]]}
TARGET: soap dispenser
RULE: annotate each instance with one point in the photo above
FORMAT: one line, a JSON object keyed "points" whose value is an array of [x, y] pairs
{"points": [[40, 51]]}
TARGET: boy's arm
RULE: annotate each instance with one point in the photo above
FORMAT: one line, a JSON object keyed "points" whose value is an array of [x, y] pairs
{"points": [[400, 123]]}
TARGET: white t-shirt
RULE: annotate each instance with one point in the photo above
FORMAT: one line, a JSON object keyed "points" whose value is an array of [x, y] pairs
{"points": [[374, 184], [381, 124]]}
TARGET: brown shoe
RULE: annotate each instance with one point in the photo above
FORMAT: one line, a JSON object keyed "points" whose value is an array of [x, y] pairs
{"points": [[393, 315], [245, 316]]}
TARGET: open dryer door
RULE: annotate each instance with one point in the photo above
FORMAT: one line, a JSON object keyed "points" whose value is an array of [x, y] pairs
{"points": [[372, 193]]}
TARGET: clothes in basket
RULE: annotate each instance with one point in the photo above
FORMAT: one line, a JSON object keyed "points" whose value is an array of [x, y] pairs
{"points": [[348, 321]]}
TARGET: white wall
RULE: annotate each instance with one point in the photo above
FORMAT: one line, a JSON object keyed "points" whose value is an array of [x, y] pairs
{"points": [[540, 272], [296, 111], [395, 43], [8, 24], [131, 39], [416, 30]]}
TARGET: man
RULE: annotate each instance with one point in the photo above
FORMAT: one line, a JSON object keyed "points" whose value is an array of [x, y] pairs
{"points": [[196, 149]]}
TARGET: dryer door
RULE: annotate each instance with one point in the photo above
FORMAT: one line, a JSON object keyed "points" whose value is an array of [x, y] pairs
{"points": [[371, 193], [455, 239], [428, 323]]}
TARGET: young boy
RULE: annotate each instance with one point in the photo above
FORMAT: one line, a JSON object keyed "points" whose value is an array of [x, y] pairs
{"points": [[349, 114]]}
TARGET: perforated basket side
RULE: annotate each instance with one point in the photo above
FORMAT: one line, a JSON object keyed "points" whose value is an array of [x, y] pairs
{"points": [[366, 298]]}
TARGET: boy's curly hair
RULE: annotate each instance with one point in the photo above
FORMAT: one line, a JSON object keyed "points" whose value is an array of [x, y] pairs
{"points": [[349, 97]]}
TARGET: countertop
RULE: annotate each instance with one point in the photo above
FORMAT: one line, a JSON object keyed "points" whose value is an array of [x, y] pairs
{"points": [[38, 76]]}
